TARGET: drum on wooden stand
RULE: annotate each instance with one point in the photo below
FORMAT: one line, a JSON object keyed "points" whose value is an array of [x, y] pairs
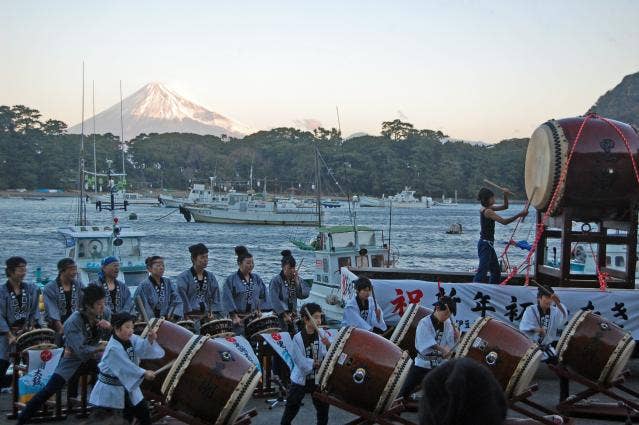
{"points": [[207, 381], [218, 328], [594, 347], [509, 354], [364, 370], [404, 333], [37, 339], [600, 168]]}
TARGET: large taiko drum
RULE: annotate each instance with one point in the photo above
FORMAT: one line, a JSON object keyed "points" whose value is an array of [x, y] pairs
{"points": [[363, 369], [37, 339], [600, 169], [509, 354], [207, 381], [404, 333], [594, 347]]}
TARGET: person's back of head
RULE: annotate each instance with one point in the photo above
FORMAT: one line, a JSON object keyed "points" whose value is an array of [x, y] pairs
{"points": [[462, 392]]}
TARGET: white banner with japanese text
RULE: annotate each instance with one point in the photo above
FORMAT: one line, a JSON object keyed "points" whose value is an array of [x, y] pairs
{"points": [[505, 303]]}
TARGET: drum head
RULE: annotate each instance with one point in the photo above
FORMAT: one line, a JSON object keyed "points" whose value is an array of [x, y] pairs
{"points": [[404, 323], [545, 158]]}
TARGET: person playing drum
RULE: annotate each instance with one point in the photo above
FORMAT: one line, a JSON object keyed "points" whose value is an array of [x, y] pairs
{"points": [[63, 296], [434, 339], [362, 311], [541, 321], [118, 295], [198, 288], [18, 309], [120, 376], [244, 292], [158, 294], [308, 350], [284, 291], [485, 247], [82, 346]]}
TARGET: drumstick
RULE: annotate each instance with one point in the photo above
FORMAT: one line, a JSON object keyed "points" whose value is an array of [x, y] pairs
{"points": [[374, 299], [140, 304], [312, 321], [165, 367], [498, 186]]}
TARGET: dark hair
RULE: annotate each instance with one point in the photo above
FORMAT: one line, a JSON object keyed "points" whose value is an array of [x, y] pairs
{"points": [[484, 195], [198, 249], [363, 251], [362, 283], [545, 290], [242, 253], [312, 308], [445, 302], [461, 392], [152, 259], [119, 319], [13, 263], [287, 258], [91, 294], [64, 264]]}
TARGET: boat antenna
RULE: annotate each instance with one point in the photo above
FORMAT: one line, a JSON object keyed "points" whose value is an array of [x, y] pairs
{"points": [[122, 140], [390, 226], [82, 210], [95, 165]]}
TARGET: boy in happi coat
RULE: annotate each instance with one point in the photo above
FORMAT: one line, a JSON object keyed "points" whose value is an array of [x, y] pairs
{"points": [[541, 321], [159, 295], [244, 292], [120, 376], [198, 288], [117, 294], [82, 347], [308, 350], [19, 302], [434, 339], [362, 311], [284, 291]]}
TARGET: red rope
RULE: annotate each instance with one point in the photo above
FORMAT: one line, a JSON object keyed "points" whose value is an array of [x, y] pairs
{"points": [[602, 277], [553, 201]]}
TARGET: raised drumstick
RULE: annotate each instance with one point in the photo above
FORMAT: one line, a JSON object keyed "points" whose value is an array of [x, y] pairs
{"points": [[165, 367], [140, 304], [491, 183]]}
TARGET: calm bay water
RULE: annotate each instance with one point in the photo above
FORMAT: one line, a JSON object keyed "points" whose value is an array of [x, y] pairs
{"points": [[28, 229]]}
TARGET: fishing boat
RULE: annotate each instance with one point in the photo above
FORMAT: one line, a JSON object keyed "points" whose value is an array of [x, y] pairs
{"points": [[370, 202], [198, 195], [407, 199], [242, 208], [87, 244]]}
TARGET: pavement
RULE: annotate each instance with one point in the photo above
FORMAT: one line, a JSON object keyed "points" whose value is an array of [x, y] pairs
{"points": [[547, 396]]}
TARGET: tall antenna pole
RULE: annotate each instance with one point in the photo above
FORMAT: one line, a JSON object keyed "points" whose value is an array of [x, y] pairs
{"points": [[122, 135], [318, 189], [339, 124], [82, 210], [95, 164]]}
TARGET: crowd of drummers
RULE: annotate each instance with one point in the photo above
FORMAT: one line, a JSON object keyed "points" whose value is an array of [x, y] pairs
{"points": [[96, 323]]}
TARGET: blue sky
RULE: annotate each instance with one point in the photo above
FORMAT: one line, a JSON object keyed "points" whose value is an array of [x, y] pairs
{"points": [[478, 70]]}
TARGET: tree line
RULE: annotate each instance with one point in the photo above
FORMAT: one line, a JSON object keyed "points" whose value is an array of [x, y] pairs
{"points": [[36, 154]]}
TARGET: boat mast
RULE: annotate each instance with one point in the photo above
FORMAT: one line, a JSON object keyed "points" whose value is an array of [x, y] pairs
{"points": [[318, 190], [82, 209], [95, 164], [122, 141]]}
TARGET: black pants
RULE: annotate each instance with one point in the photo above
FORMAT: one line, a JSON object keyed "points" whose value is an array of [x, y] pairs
{"points": [[55, 383], [4, 366], [140, 411], [294, 402], [414, 378]]}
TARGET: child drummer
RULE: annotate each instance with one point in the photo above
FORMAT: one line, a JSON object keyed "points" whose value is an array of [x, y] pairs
{"points": [[540, 322], [362, 310], [308, 350], [118, 385], [434, 339]]}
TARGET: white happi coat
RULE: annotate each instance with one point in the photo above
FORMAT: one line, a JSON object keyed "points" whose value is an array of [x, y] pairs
{"points": [[116, 363], [425, 340], [352, 316], [531, 320], [303, 364]]}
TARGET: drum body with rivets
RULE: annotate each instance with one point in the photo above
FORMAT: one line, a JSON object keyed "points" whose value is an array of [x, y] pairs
{"points": [[404, 333], [363, 369], [594, 347], [509, 354], [600, 175]]}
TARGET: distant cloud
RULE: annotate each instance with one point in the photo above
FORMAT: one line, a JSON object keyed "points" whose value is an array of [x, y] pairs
{"points": [[401, 115], [308, 123]]}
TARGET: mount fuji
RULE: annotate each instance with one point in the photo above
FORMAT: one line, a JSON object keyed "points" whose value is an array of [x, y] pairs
{"points": [[157, 109]]}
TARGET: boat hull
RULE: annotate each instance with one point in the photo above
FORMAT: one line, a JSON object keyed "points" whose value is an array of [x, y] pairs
{"points": [[252, 217]]}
